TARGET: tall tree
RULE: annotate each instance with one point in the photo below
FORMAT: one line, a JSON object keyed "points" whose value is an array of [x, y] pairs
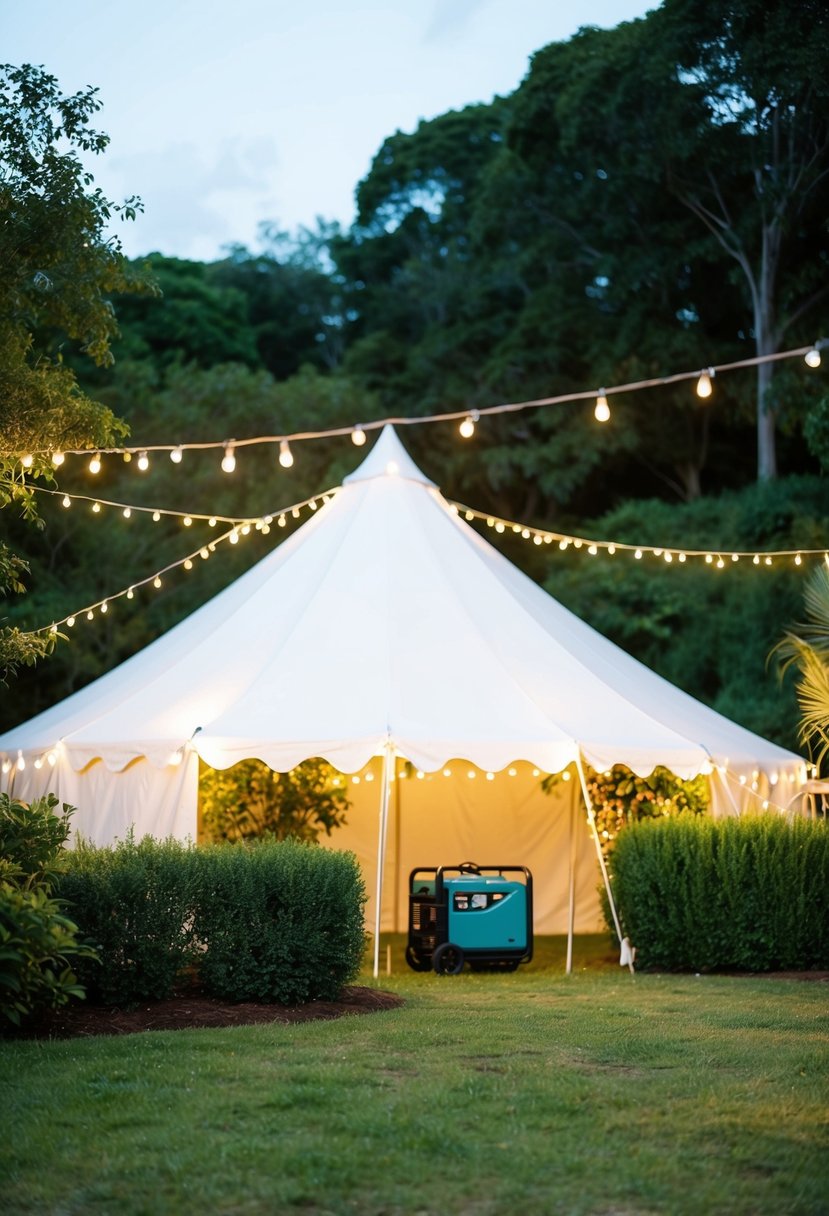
{"points": [[58, 269]]}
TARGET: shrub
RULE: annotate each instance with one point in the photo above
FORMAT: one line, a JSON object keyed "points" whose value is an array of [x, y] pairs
{"points": [[250, 800], [740, 894], [278, 921], [134, 902], [36, 938]]}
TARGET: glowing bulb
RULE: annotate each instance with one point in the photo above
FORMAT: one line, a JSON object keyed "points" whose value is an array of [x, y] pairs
{"points": [[358, 436], [813, 357], [39, 762], [797, 560], [95, 464], [96, 506], [592, 550], [66, 501], [104, 606], [720, 563], [638, 555], [187, 521], [602, 411], [188, 565], [6, 765], [669, 557], [499, 527], [245, 529], [27, 461], [525, 533], [286, 456], [467, 427], [447, 772], [176, 455], [127, 512], [70, 620], [21, 763], [704, 386], [708, 558], [234, 537], [157, 581], [143, 462], [313, 504], [281, 521], [127, 457], [90, 615], [204, 554], [229, 459], [58, 459], [156, 516], [682, 557], [756, 559], [130, 594], [295, 512], [211, 523]]}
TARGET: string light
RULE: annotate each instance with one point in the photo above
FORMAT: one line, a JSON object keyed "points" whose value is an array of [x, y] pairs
{"points": [[358, 436], [595, 545], [704, 386], [812, 357], [602, 411], [176, 455], [229, 459], [353, 430], [143, 462], [58, 459], [286, 456], [95, 464]]}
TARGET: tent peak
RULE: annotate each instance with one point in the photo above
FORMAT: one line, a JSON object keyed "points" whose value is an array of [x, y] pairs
{"points": [[388, 458]]}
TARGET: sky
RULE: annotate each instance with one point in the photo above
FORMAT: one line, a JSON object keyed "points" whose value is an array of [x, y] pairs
{"points": [[224, 115]]}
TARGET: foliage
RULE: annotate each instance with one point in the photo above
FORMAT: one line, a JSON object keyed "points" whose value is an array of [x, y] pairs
{"points": [[36, 938], [266, 921], [250, 800], [278, 921], [748, 894], [57, 272], [620, 797], [134, 901], [805, 647]]}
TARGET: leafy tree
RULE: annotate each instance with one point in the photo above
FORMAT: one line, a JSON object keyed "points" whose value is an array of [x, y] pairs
{"points": [[57, 272], [249, 800]]}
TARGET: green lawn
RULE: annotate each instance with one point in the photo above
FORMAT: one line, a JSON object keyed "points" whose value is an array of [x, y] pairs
{"points": [[530, 1093]]}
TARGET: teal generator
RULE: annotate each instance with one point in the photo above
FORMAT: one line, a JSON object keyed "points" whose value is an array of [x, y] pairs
{"points": [[482, 915]]}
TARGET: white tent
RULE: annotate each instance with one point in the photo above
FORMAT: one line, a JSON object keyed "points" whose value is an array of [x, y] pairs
{"points": [[385, 626]]}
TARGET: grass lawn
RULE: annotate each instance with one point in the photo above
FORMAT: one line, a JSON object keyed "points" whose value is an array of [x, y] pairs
{"points": [[526, 1093]]}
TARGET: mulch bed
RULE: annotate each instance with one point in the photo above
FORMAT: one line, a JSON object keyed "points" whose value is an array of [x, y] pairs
{"points": [[194, 1011]]}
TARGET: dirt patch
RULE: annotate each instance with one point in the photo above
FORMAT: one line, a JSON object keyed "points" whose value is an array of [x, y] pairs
{"points": [[194, 1011]]}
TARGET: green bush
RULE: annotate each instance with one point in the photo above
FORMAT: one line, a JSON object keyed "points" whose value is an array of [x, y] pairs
{"points": [[36, 938], [278, 921], [134, 902], [748, 894]]}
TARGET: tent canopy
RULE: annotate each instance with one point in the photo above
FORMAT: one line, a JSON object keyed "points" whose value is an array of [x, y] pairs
{"points": [[386, 620]]}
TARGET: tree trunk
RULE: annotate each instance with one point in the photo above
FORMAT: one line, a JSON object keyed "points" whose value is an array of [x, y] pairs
{"points": [[766, 446]]}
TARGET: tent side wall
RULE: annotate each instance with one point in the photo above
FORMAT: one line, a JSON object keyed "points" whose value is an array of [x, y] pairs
{"points": [[152, 801], [508, 820]]}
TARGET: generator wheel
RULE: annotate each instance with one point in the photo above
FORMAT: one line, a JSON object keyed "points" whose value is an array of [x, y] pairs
{"points": [[416, 961], [448, 959]]}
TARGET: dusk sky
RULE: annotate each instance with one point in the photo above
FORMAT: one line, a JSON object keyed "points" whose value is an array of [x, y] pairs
{"points": [[224, 115]]}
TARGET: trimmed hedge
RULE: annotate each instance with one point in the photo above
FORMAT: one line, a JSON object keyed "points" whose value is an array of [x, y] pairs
{"points": [[133, 902], [267, 921], [280, 921], [749, 894]]}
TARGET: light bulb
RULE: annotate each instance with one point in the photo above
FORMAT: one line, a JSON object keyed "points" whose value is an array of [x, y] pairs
{"points": [[157, 582], [27, 461], [70, 620], [156, 516], [234, 537], [21, 763], [286, 456], [467, 427], [96, 506], [211, 523], [66, 501], [813, 357], [229, 459], [95, 464], [602, 411], [704, 387], [358, 436], [104, 606], [127, 512], [143, 462], [58, 459], [130, 594], [187, 521], [176, 455], [188, 565]]}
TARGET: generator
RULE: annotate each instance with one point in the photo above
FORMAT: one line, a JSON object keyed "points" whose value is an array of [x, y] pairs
{"points": [[469, 913]]}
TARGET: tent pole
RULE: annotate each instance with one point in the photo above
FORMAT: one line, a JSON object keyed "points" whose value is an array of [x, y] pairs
{"points": [[388, 761], [571, 909], [627, 951]]}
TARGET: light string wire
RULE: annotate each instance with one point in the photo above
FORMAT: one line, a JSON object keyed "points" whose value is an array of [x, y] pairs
{"points": [[449, 416], [231, 535], [714, 556]]}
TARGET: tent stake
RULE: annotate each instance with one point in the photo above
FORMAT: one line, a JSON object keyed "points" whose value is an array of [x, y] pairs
{"points": [[388, 761]]}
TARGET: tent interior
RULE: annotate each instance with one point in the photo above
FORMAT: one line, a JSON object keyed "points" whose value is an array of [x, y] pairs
{"points": [[385, 626]]}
